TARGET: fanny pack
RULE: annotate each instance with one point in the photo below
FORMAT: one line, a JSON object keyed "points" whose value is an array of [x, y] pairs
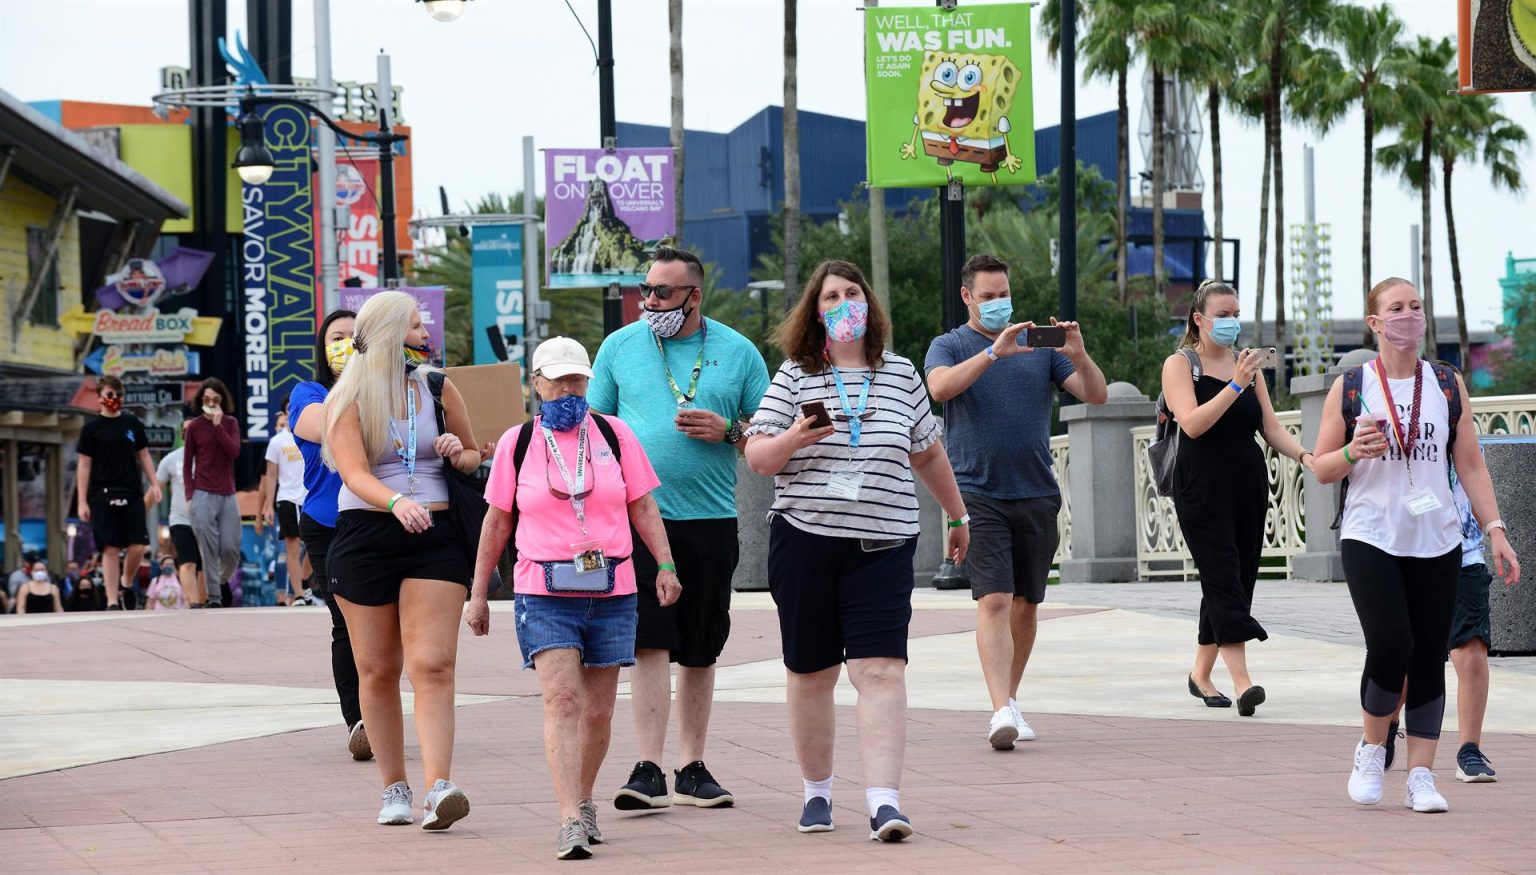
{"points": [[562, 577]]}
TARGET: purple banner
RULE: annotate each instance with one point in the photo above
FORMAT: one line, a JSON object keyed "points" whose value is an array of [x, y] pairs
{"points": [[428, 298], [605, 213]]}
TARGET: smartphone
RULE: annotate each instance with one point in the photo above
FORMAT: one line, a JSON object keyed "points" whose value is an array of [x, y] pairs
{"points": [[1044, 336], [816, 413], [1268, 358]]}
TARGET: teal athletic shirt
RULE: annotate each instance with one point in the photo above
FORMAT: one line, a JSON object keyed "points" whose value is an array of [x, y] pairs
{"points": [[698, 479]]}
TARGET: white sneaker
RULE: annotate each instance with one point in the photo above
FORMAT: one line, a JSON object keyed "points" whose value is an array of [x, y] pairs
{"points": [[1003, 729], [1422, 795], [1025, 732], [1365, 780], [445, 804], [397, 808]]}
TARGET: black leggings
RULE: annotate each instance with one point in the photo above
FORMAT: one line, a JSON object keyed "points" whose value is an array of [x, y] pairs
{"points": [[1405, 606], [317, 543]]}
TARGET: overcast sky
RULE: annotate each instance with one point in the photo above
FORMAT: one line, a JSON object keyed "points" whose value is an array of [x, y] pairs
{"points": [[511, 68]]}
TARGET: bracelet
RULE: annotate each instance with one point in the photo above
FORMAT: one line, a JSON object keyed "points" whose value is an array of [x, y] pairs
{"points": [[990, 354], [394, 498], [1346, 455], [666, 566], [1235, 387], [964, 520], [1304, 454], [1497, 524]]}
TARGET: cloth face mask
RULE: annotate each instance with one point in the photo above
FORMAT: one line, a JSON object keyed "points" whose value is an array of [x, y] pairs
{"points": [[1405, 330], [416, 356], [666, 323], [338, 353], [564, 413], [112, 404], [847, 321]]}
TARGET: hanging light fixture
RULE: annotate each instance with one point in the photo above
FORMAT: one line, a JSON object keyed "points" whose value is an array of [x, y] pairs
{"points": [[444, 10], [253, 162]]}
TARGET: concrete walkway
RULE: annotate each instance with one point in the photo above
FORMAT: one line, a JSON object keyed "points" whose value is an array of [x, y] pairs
{"points": [[210, 741]]}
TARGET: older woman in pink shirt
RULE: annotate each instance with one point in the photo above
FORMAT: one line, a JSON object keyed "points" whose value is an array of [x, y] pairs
{"points": [[572, 483]]}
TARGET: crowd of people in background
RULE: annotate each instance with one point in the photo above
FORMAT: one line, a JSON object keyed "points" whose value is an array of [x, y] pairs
{"points": [[613, 516]]}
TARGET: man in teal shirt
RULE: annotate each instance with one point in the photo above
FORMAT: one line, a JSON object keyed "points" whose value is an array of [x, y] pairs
{"points": [[684, 384]]}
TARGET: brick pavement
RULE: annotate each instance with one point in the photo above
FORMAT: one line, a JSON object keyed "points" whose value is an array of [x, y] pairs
{"points": [[1094, 794]]}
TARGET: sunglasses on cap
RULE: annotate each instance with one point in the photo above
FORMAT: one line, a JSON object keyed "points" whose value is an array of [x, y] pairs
{"points": [[664, 292]]}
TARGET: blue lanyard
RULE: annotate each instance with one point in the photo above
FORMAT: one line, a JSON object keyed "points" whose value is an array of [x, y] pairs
{"points": [[406, 449], [855, 424]]}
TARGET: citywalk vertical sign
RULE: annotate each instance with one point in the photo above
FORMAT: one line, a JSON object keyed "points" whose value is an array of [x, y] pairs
{"points": [[497, 279], [278, 303]]}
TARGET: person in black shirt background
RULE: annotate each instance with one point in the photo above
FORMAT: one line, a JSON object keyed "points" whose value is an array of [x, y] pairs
{"points": [[114, 451]]}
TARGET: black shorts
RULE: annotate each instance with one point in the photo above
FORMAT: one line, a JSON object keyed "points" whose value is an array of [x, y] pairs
{"points": [[836, 600], [1471, 618], [372, 553], [317, 539], [1012, 545], [185, 542], [287, 520], [695, 628], [117, 519]]}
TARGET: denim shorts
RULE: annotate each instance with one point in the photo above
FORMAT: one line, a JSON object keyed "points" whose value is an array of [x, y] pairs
{"points": [[602, 629]]}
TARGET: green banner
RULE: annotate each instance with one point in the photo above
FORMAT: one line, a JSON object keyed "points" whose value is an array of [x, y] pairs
{"points": [[949, 95]]}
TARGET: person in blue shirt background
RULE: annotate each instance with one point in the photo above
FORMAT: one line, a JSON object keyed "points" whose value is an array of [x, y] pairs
{"points": [[684, 384]]}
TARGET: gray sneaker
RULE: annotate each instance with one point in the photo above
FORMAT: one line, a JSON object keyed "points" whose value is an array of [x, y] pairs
{"points": [[395, 808], [574, 844], [446, 804], [589, 820]]}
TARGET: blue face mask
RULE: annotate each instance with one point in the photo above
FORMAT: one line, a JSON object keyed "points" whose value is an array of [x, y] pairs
{"points": [[994, 314], [1225, 329], [564, 413]]}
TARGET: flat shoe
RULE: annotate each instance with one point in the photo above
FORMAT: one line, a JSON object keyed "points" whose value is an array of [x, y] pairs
{"points": [[1251, 698], [1216, 701]]}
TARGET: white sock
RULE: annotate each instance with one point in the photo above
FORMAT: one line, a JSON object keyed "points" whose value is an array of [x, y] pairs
{"points": [[1014, 704], [878, 796], [819, 788]]}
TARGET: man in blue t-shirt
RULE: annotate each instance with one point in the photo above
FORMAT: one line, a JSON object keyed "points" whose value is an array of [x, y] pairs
{"points": [[997, 411], [684, 384]]}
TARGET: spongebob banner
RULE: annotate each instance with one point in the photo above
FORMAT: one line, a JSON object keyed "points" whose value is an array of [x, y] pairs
{"points": [[949, 96]]}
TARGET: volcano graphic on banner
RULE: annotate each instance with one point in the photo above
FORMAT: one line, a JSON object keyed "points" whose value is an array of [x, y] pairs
{"points": [[606, 213], [601, 242]]}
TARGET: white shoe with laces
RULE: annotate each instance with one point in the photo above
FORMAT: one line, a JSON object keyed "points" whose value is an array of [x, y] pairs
{"points": [[1003, 730], [445, 805], [1025, 732], [1365, 780], [397, 809], [1422, 795]]}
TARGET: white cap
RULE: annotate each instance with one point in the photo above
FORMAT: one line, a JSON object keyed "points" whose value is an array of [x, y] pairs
{"points": [[561, 357]]}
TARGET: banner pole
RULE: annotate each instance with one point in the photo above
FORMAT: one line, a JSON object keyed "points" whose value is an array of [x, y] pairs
{"points": [[326, 141], [613, 295], [390, 269]]}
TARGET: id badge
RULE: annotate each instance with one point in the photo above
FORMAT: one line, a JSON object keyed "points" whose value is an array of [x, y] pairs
{"points": [[1422, 501], [588, 556], [685, 405], [845, 485]]}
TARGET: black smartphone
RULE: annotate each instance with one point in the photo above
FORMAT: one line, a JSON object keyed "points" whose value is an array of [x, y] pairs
{"points": [[816, 414], [1044, 336]]}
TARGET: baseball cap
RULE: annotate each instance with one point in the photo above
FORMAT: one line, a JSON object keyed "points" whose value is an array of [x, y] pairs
{"points": [[561, 357]]}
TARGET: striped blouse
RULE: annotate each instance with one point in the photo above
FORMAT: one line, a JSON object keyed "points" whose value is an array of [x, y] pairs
{"points": [[899, 422]]}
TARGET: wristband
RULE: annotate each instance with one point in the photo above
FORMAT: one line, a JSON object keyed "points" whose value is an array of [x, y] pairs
{"points": [[1346, 455], [1497, 524], [1235, 387], [990, 354], [394, 498], [666, 566], [964, 520]]}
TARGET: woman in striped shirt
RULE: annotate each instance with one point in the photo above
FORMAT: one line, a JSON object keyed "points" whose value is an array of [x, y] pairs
{"points": [[844, 528]]}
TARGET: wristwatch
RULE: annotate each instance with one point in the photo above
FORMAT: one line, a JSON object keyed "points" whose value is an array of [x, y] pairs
{"points": [[964, 520], [733, 434]]}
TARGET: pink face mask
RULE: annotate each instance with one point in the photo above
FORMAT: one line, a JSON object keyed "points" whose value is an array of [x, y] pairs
{"points": [[1404, 330]]}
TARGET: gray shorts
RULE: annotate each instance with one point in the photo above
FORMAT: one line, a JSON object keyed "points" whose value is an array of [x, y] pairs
{"points": [[1012, 544]]}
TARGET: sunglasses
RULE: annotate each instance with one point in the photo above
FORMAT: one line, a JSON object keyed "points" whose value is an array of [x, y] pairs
{"points": [[565, 496], [109, 394], [664, 292]]}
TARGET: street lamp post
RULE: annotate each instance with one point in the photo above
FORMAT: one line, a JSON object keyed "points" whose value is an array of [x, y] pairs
{"points": [[255, 164]]}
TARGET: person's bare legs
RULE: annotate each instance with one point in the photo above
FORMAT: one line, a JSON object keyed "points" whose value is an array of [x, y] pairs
{"points": [[1471, 661], [813, 720], [1024, 621], [1205, 663], [132, 557], [650, 685], [695, 699], [1235, 656], [375, 634], [111, 572], [560, 678], [295, 568], [995, 646], [599, 687], [429, 635], [882, 712], [187, 574]]}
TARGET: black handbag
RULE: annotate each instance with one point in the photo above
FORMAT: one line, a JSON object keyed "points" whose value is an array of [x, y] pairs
{"points": [[466, 492], [1163, 452]]}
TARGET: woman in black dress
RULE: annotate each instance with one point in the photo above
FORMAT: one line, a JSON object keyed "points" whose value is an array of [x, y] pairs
{"points": [[1221, 490]]}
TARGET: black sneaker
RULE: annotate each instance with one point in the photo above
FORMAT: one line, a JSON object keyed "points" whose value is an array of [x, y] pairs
{"points": [[1391, 745], [647, 788], [889, 825], [817, 816], [1472, 767], [696, 786]]}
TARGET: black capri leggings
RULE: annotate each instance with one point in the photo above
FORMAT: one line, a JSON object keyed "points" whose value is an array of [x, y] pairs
{"points": [[1405, 605]]}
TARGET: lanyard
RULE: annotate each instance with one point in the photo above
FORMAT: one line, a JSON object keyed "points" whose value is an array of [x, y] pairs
{"points": [[685, 399], [1405, 443], [406, 449], [855, 424], [572, 484]]}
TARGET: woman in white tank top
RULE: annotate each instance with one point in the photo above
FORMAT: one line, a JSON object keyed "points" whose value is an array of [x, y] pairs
{"points": [[1401, 534]]}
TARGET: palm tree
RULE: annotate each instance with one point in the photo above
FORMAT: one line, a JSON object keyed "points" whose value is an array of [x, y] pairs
{"points": [[1108, 47], [675, 25], [1365, 71], [1425, 91], [1472, 123], [791, 151], [1250, 97]]}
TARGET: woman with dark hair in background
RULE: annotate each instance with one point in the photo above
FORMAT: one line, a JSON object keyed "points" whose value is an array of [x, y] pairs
{"points": [[1221, 488], [208, 469], [317, 517]]}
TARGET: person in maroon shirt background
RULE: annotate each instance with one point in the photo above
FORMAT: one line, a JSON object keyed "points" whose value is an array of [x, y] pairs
{"points": [[208, 470]]}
